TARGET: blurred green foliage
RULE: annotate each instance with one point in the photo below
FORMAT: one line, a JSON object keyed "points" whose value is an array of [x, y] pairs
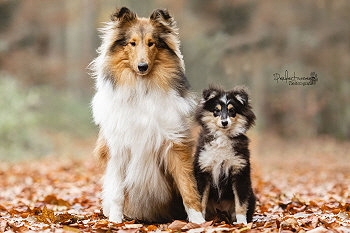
{"points": [[29, 116]]}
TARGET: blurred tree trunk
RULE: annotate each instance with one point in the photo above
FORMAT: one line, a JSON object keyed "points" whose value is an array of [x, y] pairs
{"points": [[73, 43], [80, 40]]}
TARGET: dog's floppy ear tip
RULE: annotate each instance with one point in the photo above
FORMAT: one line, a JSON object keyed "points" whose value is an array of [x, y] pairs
{"points": [[241, 98], [160, 14], [123, 14], [241, 94], [209, 94]]}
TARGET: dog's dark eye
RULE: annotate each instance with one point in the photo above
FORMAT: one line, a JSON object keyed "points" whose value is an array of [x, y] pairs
{"points": [[132, 44], [150, 44], [216, 112], [232, 112]]}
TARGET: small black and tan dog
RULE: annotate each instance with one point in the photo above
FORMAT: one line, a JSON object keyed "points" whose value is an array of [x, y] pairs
{"points": [[221, 165]]}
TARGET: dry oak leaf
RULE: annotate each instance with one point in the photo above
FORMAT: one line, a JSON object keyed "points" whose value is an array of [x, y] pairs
{"points": [[47, 216], [53, 200]]}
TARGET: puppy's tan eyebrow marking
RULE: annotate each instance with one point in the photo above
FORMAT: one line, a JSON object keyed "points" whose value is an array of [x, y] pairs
{"points": [[229, 106], [218, 106]]}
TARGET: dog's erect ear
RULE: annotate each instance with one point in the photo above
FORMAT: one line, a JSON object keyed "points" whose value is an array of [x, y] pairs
{"points": [[209, 94], [161, 15], [123, 15], [241, 95]]}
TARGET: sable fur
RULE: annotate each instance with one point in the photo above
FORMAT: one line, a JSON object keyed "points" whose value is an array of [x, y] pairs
{"points": [[222, 166], [143, 115]]}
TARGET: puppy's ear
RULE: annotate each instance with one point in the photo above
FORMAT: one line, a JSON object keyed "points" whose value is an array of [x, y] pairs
{"points": [[209, 94], [241, 95], [123, 15]]}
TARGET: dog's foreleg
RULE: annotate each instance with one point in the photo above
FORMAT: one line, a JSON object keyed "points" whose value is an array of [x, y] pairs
{"points": [[113, 191], [241, 190], [240, 209], [180, 165]]}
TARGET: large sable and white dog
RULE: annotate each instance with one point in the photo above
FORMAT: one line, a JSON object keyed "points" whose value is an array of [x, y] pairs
{"points": [[142, 106]]}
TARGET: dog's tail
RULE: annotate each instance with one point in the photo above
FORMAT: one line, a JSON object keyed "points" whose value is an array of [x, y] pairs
{"points": [[101, 151]]}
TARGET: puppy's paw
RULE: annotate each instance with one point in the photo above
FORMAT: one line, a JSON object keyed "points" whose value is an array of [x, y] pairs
{"points": [[241, 219], [195, 216]]}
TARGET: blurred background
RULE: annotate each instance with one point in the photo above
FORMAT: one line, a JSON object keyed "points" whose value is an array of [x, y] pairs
{"points": [[45, 47]]}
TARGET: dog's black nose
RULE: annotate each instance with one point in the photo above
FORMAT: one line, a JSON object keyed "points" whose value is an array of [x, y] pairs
{"points": [[224, 123], [143, 66]]}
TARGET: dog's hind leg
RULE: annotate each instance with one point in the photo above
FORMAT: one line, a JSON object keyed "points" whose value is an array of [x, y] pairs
{"points": [[113, 191], [180, 166], [101, 151]]}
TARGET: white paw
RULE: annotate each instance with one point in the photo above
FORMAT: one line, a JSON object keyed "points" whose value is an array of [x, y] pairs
{"points": [[195, 216], [115, 219], [115, 215], [106, 209], [241, 219]]}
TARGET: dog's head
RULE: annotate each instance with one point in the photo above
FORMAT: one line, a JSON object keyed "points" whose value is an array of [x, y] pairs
{"points": [[139, 44], [227, 111]]}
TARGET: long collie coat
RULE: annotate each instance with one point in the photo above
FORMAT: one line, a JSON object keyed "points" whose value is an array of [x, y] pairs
{"points": [[142, 106]]}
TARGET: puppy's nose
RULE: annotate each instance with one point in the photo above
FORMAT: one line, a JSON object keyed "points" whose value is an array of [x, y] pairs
{"points": [[224, 123], [143, 66]]}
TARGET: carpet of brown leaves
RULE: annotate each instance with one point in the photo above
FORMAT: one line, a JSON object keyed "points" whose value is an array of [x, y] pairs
{"points": [[301, 186]]}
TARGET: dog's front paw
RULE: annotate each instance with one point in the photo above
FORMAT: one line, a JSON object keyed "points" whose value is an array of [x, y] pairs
{"points": [[115, 215], [195, 216], [116, 218], [240, 219], [106, 208]]}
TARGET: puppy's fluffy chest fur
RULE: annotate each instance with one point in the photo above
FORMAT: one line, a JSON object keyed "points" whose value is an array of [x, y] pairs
{"points": [[218, 157]]}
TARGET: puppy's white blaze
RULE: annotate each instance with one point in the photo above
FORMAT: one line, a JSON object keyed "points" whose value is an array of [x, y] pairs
{"points": [[241, 219], [195, 216], [139, 135], [224, 99], [240, 99]]}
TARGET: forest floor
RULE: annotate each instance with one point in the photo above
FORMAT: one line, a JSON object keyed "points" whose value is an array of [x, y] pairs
{"points": [[301, 186]]}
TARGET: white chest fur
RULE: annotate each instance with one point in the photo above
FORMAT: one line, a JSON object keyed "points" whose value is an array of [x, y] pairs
{"points": [[140, 114], [139, 124], [218, 156]]}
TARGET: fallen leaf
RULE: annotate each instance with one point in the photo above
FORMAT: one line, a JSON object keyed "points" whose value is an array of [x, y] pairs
{"points": [[151, 228], [190, 225], [71, 229], [53, 200], [129, 226], [318, 230], [177, 225]]}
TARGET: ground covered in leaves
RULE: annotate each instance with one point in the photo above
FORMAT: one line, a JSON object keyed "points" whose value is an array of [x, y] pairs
{"points": [[301, 186]]}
